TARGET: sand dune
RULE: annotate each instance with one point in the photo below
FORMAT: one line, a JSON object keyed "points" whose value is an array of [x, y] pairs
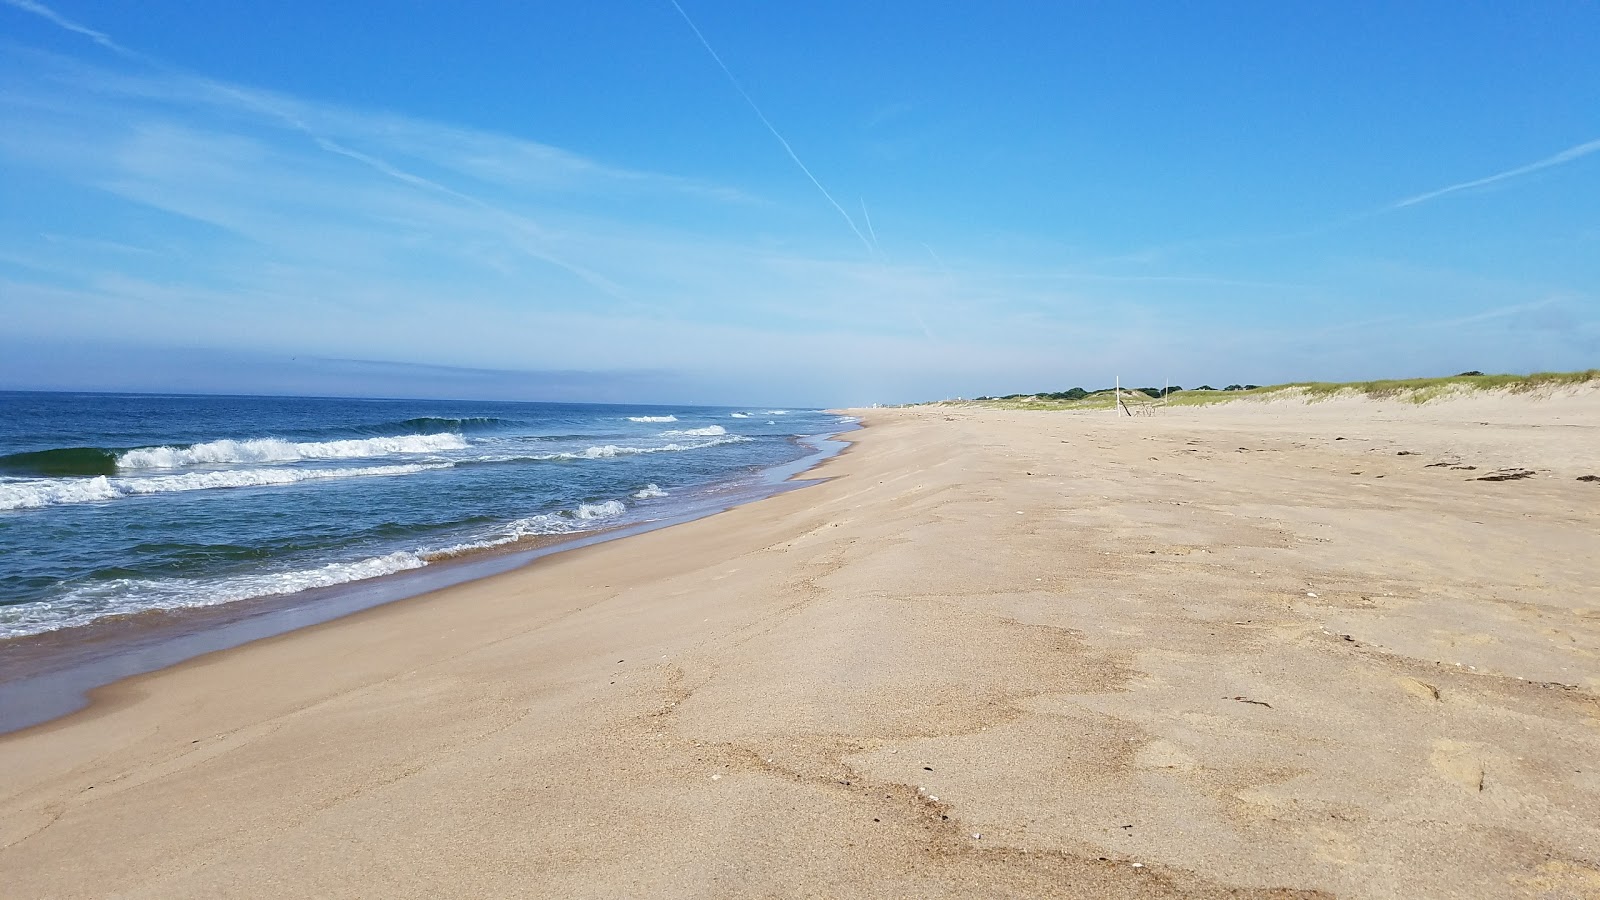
{"points": [[1207, 652]]}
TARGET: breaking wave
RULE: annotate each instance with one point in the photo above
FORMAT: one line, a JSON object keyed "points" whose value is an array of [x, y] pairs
{"points": [[708, 431], [90, 461], [605, 510], [652, 418], [62, 461], [33, 494], [274, 450], [650, 491], [428, 424], [609, 451]]}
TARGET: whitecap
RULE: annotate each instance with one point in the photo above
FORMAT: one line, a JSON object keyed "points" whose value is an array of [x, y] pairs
{"points": [[34, 494], [608, 509], [650, 491], [612, 451], [708, 431], [652, 418], [274, 450]]}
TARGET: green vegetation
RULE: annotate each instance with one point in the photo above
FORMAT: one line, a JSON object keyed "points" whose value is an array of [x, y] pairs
{"points": [[1413, 390]]}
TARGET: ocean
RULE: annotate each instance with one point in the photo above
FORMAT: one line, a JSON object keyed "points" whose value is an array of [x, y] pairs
{"points": [[117, 506]]}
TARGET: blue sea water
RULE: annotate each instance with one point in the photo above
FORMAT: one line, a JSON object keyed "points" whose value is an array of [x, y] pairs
{"points": [[113, 505]]}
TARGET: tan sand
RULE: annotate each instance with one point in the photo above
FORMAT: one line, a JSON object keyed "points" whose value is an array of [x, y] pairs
{"points": [[1209, 652]]}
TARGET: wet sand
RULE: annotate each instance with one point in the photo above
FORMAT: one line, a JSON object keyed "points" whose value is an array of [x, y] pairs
{"points": [[1208, 652]]}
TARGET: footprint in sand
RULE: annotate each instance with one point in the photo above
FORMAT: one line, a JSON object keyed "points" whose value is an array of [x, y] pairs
{"points": [[1163, 755], [1460, 762]]}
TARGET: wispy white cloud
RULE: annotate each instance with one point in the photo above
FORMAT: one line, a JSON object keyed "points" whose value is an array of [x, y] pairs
{"points": [[1568, 155], [294, 234], [286, 114]]}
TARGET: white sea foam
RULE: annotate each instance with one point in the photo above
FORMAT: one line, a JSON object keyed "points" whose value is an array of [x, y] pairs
{"points": [[612, 451], [534, 526], [777, 412], [124, 596], [605, 451], [608, 509], [55, 491], [738, 415], [650, 491], [652, 418], [33, 494], [274, 450], [708, 431]]}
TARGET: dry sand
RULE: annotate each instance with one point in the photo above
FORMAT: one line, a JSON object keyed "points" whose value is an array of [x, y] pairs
{"points": [[1209, 652]]}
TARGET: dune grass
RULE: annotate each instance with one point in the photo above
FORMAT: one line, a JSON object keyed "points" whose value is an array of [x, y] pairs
{"points": [[1421, 390], [1412, 390]]}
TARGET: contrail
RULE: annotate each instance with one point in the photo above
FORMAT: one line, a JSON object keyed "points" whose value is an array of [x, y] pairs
{"points": [[1565, 156], [45, 12], [867, 217], [765, 121], [948, 275], [261, 104]]}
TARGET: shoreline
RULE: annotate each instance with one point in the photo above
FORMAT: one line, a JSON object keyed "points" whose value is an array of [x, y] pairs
{"points": [[53, 675], [995, 653]]}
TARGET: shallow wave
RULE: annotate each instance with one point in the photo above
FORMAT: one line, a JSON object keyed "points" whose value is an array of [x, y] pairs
{"points": [[606, 509], [652, 418], [39, 493], [126, 596], [605, 451], [708, 431], [610, 451], [650, 491], [544, 524], [738, 415], [428, 424], [777, 412], [274, 450]]}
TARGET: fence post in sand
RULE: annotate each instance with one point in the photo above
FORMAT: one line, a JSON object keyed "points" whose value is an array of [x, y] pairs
{"points": [[1116, 406]]}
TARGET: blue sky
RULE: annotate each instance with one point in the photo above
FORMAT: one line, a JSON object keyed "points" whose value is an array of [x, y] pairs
{"points": [[870, 203]]}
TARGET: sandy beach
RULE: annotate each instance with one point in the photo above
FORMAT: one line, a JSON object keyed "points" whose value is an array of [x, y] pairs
{"points": [[1257, 649]]}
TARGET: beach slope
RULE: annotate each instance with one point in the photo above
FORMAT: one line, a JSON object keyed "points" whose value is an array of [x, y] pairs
{"points": [[1257, 649]]}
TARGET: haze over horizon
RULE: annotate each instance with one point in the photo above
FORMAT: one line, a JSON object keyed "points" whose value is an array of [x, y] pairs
{"points": [[801, 204]]}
